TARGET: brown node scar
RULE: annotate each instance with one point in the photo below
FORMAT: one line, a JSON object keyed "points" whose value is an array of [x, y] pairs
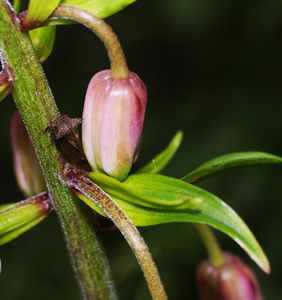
{"points": [[66, 136]]}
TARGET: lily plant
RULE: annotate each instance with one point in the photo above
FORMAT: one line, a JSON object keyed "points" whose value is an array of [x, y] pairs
{"points": [[63, 163]]}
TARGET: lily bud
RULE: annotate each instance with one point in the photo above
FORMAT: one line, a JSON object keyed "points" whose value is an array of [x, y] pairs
{"points": [[233, 280], [26, 167], [113, 117], [5, 84]]}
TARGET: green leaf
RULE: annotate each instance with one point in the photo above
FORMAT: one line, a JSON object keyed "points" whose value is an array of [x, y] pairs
{"points": [[6, 205], [11, 235], [17, 5], [232, 160], [100, 8], [43, 41], [17, 215], [143, 189], [189, 204], [162, 159], [17, 218], [38, 11]]}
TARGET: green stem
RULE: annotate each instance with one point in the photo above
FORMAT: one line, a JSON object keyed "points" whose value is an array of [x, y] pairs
{"points": [[212, 246], [102, 30], [80, 183], [38, 110]]}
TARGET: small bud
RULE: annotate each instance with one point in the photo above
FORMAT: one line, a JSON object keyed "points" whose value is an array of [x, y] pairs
{"points": [[113, 117], [26, 167], [6, 84], [233, 280]]}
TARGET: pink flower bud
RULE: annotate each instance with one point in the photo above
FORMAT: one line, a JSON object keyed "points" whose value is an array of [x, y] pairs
{"points": [[26, 167], [113, 117], [231, 281]]}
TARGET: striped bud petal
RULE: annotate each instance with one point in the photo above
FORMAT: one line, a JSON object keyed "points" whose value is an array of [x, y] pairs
{"points": [[113, 117]]}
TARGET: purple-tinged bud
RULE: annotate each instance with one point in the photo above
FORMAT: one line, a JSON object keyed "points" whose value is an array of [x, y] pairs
{"points": [[26, 167], [6, 83], [113, 117], [233, 280]]}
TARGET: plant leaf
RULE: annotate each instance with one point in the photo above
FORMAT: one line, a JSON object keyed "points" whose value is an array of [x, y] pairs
{"points": [[38, 11], [43, 39], [13, 234], [78, 181], [17, 5], [232, 160], [6, 205], [158, 163], [196, 206], [17, 218], [100, 8], [142, 189]]}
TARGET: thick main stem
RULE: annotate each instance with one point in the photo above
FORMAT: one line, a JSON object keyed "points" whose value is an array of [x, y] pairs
{"points": [[38, 110], [102, 30]]}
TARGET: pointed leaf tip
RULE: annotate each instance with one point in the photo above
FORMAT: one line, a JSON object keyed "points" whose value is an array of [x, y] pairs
{"points": [[230, 161], [151, 199], [158, 163]]}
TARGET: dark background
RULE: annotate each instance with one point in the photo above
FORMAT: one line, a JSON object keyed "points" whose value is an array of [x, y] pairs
{"points": [[214, 70]]}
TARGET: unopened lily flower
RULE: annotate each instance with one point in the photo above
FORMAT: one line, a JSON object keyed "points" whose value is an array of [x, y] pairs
{"points": [[113, 117], [26, 167], [233, 280]]}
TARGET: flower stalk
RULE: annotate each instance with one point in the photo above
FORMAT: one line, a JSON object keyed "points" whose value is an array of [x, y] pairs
{"points": [[102, 30], [216, 256], [79, 182]]}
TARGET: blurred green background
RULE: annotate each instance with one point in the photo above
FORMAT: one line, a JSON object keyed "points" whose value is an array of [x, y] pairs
{"points": [[214, 70]]}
